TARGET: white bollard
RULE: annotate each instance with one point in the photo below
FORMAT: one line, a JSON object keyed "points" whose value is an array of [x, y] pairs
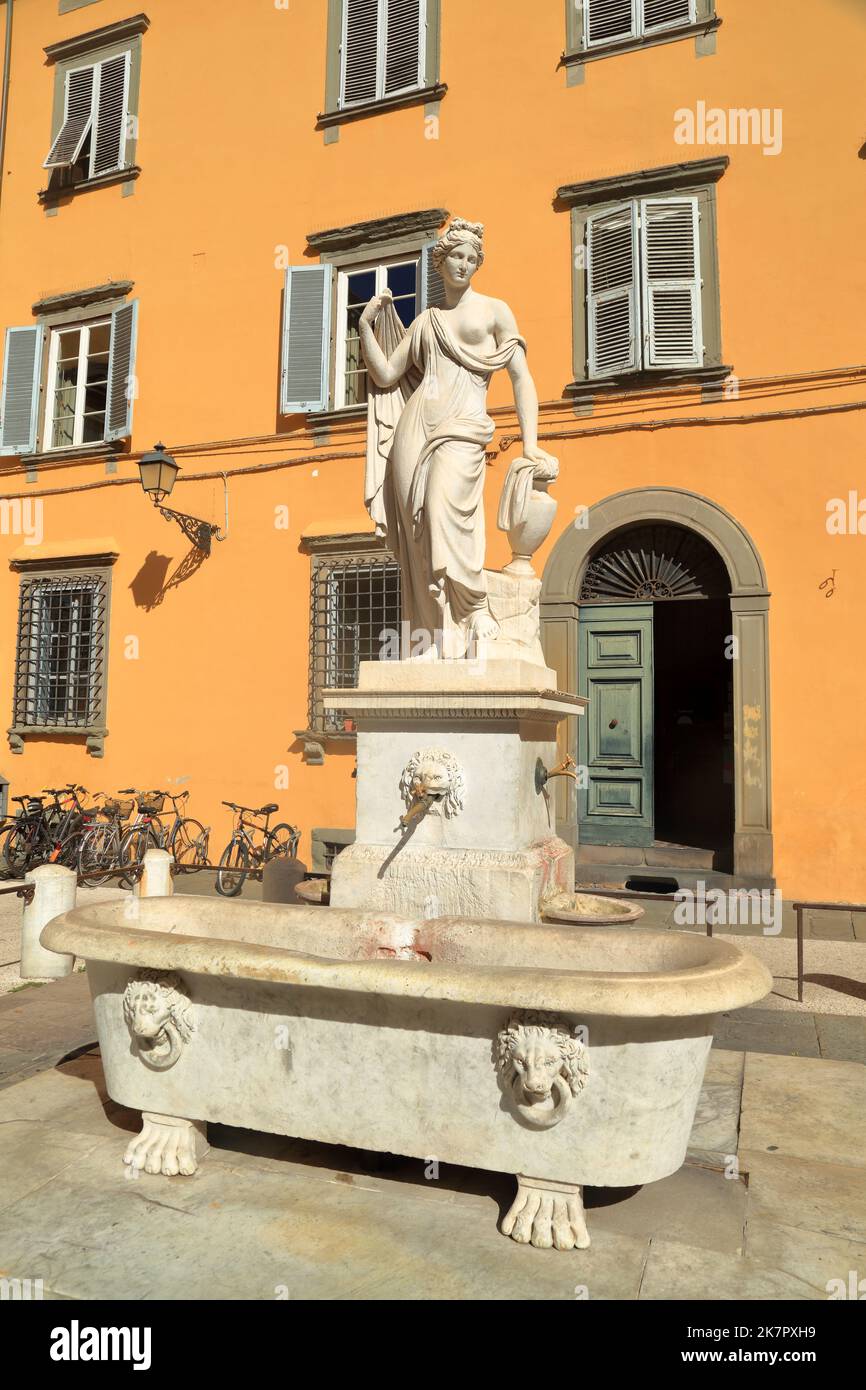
{"points": [[54, 893], [156, 880]]}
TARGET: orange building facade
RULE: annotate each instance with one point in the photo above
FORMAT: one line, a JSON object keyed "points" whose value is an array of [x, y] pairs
{"points": [[195, 202]]}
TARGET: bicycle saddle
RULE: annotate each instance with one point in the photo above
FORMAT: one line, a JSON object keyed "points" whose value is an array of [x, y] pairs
{"points": [[266, 810]]}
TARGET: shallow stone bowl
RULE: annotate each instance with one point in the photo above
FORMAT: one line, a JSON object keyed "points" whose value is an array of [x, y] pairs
{"points": [[590, 910]]}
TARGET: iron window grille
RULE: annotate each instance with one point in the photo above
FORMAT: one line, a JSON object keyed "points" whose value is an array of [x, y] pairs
{"points": [[60, 654], [355, 617]]}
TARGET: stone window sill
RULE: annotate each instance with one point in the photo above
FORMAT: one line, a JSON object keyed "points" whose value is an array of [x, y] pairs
{"points": [[62, 189], [644, 383], [94, 735], [610, 50], [421, 95], [77, 451], [347, 414], [315, 742]]}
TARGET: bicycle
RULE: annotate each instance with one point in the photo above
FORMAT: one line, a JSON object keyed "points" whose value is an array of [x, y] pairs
{"points": [[63, 826], [101, 847], [186, 839], [23, 836], [242, 852]]}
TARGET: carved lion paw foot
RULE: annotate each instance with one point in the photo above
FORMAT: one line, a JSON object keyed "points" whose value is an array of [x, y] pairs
{"points": [[547, 1214], [167, 1145]]}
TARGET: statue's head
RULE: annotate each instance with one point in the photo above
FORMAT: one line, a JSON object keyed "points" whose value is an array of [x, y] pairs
{"points": [[458, 254]]}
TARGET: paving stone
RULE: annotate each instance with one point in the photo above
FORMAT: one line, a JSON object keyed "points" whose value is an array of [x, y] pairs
{"points": [[813, 1256], [32, 1154], [768, 1030], [859, 919], [829, 926], [71, 1097], [841, 1037], [675, 1271], [823, 1197], [697, 1206], [814, 1110]]}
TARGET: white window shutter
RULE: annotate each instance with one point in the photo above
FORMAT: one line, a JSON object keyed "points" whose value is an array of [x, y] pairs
{"points": [[432, 284], [665, 14], [612, 291], [608, 20], [359, 66], [306, 338], [77, 117], [404, 58], [670, 255], [22, 368], [121, 372], [109, 141]]}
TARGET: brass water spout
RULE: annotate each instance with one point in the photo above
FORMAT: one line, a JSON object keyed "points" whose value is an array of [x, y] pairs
{"points": [[420, 804], [567, 768]]}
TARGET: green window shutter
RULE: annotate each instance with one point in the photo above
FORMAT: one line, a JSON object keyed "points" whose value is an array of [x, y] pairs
{"points": [[359, 66], [432, 284], [111, 103], [77, 118], [121, 372], [670, 256], [306, 338], [22, 367], [404, 59], [666, 14], [612, 293], [609, 20]]}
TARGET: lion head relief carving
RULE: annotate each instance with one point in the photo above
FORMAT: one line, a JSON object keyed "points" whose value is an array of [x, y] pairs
{"points": [[155, 1007], [542, 1062], [435, 774]]}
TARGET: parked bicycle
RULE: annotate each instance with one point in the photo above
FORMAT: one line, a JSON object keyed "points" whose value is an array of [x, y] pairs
{"points": [[41, 834], [242, 855], [186, 839], [101, 848]]}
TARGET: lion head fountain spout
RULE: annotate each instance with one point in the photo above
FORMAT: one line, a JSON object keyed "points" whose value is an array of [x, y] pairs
{"points": [[432, 781]]}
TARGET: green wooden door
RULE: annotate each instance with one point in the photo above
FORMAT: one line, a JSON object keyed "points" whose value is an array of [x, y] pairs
{"points": [[616, 732]]}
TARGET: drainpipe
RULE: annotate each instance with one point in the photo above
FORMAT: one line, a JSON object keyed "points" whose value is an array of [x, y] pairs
{"points": [[4, 95]]}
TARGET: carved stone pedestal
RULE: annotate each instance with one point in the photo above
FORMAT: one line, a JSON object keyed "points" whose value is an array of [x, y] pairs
{"points": [[453, 814]]}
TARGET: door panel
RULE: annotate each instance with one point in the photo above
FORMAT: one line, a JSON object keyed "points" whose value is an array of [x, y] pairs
{"points": [[615, 735]]}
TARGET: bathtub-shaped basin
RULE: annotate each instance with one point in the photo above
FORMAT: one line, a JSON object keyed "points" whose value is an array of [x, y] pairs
{"points": [[566, 1055]]}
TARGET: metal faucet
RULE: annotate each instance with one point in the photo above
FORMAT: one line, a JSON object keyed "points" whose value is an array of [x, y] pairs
{"points": [[419, 806], [567, 768]]}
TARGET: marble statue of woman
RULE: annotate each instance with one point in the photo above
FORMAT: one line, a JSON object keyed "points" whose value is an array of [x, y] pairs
{"points": [[428, 430]]}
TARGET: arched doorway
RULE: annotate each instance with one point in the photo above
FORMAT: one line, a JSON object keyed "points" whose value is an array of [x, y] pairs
{"points": [[657, 610]]}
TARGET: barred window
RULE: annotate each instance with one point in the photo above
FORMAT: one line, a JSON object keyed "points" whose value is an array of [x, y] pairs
{"points": [[355, 617], [60, 656]]}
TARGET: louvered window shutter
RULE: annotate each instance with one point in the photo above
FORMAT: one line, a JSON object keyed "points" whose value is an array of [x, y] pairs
{"points": [[360, 51], [670, 255], [664, 14], [121, 372], [405, 45], [612, 291], [306, 338], [111, 102], [609, 20], [432, 284], [77, 117], [22, 367]]}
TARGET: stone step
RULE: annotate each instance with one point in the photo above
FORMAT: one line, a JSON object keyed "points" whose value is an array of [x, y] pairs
{"points": [[659, 855]]}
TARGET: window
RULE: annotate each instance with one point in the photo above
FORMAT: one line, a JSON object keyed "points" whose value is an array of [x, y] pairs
{"points": [[59, 669], [322, 366], [598, 27], [89, 371], [355, 288], [92, 138], [381, 53], [646, 294], [355, 606], [94, 124]]}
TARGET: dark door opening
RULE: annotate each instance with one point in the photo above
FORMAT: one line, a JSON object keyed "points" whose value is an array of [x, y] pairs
{"points": [[694, 745]]}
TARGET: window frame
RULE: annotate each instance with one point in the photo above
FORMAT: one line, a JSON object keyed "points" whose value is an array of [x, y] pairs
{"points": [[382, 56], [97, 569], [55, 331], [696, 181], [340, 321], [579, 50], [336, 111]]}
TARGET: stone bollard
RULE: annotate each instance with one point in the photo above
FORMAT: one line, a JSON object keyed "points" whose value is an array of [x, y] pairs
{"points": [[156, 880], [54, 893]]}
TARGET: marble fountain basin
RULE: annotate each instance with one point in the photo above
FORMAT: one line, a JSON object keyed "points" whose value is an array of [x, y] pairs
{"points": [[565, 1055]]}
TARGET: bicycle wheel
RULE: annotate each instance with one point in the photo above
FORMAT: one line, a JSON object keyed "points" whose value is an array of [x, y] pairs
{"points": [[134, 846], [282, 842], [234, 862], [189, 845], [98, 854], [15, 851]]}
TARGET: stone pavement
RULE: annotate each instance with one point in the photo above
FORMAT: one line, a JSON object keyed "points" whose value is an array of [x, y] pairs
{"points": [[267, 1217]]}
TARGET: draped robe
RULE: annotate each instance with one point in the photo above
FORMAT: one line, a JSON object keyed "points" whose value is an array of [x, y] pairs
{"points": [[426, 445]]}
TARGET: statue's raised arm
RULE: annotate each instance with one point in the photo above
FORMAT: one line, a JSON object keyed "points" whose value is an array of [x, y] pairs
{"points": [[428, 431]]}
